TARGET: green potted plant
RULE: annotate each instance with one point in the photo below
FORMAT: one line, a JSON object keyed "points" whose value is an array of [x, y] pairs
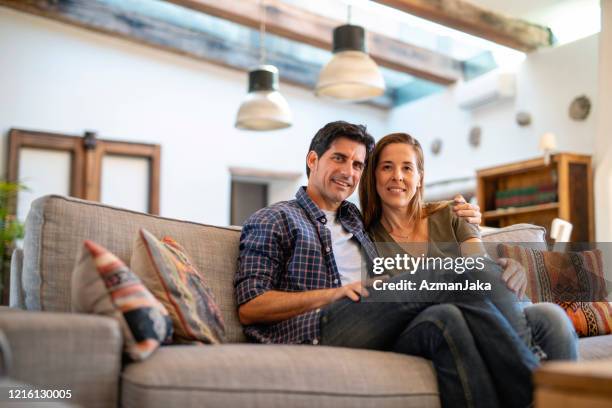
{"points": [[10, 231]]}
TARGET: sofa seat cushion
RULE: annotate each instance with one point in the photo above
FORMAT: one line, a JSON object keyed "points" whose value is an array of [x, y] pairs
{"points": [[256, 375], [595, 348]]}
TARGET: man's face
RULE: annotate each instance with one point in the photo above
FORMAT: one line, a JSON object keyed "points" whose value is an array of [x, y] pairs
{"points": [[334, 175]]}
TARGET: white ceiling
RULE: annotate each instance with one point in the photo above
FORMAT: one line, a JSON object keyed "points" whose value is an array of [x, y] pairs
{"points": [[569, 19], [521, 8]]}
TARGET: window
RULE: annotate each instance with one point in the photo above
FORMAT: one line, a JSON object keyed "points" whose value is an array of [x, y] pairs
{"points": [[118, 173]]}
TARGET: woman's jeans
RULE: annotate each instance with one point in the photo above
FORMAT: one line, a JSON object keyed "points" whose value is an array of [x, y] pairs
{"points": [[479, 358], [552, 330]]}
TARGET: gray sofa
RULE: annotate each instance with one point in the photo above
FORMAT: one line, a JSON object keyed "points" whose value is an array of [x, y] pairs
{"points": [[53, 347]]}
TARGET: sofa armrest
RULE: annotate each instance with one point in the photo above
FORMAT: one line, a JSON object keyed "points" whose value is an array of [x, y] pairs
{"points": [[66, 351]]}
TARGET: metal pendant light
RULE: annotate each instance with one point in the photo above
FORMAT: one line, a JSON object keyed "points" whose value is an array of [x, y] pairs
{"points": [[351, 74], [263, 108]]}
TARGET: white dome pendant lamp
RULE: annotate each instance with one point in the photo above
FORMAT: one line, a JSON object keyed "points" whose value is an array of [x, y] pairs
{"points": [[351, 75], [263, 108]]}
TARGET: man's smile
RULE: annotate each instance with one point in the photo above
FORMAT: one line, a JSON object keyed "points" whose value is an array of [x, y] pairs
{"points": [[344, 184]]}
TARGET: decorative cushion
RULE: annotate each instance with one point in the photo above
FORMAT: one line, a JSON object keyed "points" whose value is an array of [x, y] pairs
{"points": [[516, 233], [569, 279], [103, 284], [166, 270]]}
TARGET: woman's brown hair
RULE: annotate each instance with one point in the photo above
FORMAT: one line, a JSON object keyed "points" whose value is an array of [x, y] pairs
{"points": [[371, 206]]}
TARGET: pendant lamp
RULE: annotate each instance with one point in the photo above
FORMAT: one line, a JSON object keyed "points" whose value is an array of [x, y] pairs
{"points": [[351, 75], [263, 108]]}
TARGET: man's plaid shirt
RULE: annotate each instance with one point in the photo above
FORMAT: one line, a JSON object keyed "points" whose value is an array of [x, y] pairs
{"points": [[287, 247]]}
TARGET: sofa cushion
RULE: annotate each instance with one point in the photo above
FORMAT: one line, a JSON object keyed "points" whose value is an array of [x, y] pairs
{"points": [[56, 226], [254, 375], [516, 233], [104, 285], [525, 235], [595, 348], [165, 268]]}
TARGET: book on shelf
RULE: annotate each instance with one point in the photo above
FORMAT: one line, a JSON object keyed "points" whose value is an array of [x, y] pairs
{"points": [[525, 196]]}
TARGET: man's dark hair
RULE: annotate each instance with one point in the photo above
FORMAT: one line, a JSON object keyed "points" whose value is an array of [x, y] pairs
{"points": [[333, 130]]}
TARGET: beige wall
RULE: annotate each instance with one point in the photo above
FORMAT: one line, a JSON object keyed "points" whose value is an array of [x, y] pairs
{"points": [[603, 140]]}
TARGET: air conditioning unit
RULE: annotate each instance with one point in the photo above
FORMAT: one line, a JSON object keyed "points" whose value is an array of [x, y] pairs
{"points": [[486, 89]]}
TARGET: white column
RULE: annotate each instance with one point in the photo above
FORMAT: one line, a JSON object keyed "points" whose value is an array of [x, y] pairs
{"points": [[603, 139]]}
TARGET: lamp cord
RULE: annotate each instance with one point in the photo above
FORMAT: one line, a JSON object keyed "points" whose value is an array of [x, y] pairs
{"points": [[349, 13], [262, 33]]}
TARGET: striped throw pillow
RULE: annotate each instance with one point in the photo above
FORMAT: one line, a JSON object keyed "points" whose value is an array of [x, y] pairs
{"points": [[573, 280], [103, 284]]}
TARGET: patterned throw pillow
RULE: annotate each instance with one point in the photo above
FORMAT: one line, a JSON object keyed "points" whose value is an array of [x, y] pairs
{"points": [[103, 284], [166, 270], [569, 279]]}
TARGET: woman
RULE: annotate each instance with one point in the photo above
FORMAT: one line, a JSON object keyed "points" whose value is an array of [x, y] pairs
{"points": [[391, 193]]}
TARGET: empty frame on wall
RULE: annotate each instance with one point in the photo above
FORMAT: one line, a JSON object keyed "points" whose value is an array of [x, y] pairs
{"points": [[123, 174]]}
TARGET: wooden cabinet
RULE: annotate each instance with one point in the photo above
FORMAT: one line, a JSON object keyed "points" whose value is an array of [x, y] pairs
{"points": [[574, 384], [532, 192]]}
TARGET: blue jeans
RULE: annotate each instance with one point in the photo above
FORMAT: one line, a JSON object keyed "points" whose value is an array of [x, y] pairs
{"points": [[499, 365], [442, 335], [552, 331], [544, 327]]}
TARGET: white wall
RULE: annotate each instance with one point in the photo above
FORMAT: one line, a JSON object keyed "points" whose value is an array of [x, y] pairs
{"points": [[547, 81], [59, 78]]}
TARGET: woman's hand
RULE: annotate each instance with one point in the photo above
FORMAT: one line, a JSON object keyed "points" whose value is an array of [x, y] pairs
{"points": [[514, 275], [463, 209]]}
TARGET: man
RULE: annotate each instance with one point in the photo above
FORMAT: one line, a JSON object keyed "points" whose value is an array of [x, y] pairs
{"points": [[289, 288]]}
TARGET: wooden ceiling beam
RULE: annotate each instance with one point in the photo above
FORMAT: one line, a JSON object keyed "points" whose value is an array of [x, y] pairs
{"points": [[303, 26], [108, 19], [469, 18]]}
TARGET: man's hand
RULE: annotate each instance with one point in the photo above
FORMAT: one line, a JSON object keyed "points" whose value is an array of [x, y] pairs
{"points": [[514, 275], [471, 212], [353, 291], [275, 306]]}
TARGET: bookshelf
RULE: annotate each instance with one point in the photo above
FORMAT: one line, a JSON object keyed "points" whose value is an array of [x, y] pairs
{"points": [[532, 192]]}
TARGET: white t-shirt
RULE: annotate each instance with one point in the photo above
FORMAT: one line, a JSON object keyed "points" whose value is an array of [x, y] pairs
{"points": [[346, 250]]}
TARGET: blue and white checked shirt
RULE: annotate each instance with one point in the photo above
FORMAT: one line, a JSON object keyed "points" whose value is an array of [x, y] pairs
{"points": [[286, 247]]}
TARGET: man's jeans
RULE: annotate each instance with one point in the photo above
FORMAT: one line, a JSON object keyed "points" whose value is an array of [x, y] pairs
{"points": [[501, 359]]}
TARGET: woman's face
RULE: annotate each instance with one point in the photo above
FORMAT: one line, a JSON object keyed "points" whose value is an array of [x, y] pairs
{"points": [[397, 175]]}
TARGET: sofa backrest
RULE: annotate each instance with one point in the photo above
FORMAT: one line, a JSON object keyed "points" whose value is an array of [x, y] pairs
{"points": [[56, 227], [517, 233]]}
